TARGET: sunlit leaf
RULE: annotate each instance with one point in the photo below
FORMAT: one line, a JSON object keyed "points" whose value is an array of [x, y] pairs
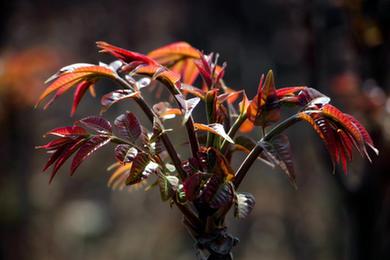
{"points": [[264, 108], [66, 79], [125, 153], [168, 185], [214, 129], [115, 96], [188, 105], [197, 92], [179, 57], [68, 131], [118, 178]]}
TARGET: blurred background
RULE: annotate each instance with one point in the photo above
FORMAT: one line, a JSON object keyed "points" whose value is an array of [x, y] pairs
{"points": [[339, 47]]}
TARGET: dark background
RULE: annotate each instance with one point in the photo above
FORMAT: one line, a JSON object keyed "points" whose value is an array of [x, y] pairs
{"points": [[339, 47]]}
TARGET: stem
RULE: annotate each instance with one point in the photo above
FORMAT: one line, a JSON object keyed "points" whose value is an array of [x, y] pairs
{"points": [[116, 139], [189, 215], [233, 130], [252, 156], [193, 140], [209, 104], [164, 137]]}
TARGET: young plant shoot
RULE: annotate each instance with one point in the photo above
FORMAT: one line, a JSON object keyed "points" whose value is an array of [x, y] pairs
{"points": [[205, 186]]}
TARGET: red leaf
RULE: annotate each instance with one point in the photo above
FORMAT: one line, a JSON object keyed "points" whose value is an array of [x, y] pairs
{"points": [[325, 132], [79, 93], [97, 123], [88, 148], [264, 108], [364, 133], [174, 51], [346, 123], [57, 153], [65, 155], [125, 55], [63, 81], [71, 76], [288, 91], [55, 144], [68, 131]]}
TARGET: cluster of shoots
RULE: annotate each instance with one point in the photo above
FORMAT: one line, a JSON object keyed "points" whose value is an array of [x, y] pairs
{"points": [[204, 187]]}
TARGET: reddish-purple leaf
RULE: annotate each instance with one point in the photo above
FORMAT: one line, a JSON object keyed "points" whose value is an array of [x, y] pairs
{"points": [[97, 123], [64, 156], [55, 144], [88, 148], [191, 186], [128, 126], [79, 93], [125, 55], [55, 155], [211, 187], [283, 150]]}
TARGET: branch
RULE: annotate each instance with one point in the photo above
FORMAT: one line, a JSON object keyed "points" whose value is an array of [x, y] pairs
{"points": [[233, 130], [164, 137], [256, 151]]}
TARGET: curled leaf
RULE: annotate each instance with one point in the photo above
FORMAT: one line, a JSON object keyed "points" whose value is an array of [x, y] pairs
{"points": [[115, 96]]}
